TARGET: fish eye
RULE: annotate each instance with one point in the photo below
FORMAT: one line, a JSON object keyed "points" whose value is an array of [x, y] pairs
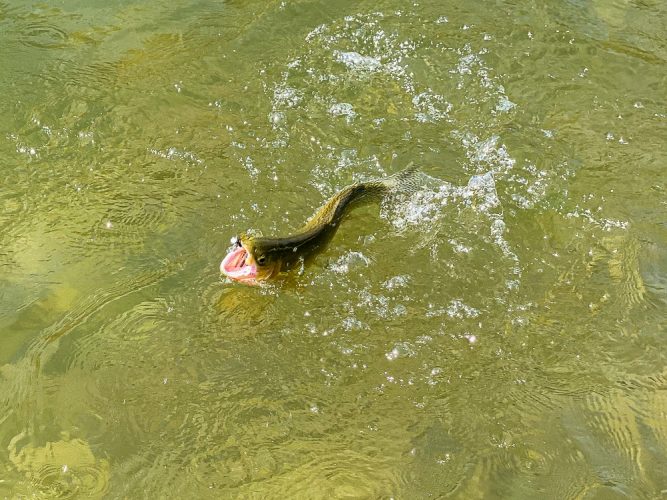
{"points": [[261, 260]]}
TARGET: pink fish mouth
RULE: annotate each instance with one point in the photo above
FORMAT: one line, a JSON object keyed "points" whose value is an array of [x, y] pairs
{"points": [[236, 268]]}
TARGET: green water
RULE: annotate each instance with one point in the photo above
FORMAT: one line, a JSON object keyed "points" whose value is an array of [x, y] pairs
{"points": [[499, 334]]}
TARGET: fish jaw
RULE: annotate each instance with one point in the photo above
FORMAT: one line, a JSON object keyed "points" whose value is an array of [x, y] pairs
{"points": [[236, 266]]}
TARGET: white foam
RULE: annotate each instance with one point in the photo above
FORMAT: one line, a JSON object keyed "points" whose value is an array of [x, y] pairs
{"points": [[343, 109], [349, 260], [355, 61]]}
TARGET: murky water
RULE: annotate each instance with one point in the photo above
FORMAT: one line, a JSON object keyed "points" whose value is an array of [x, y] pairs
{"points": [[500, 333]]}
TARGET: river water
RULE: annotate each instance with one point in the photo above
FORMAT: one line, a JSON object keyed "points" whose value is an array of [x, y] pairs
{"points": [[500, 333]]}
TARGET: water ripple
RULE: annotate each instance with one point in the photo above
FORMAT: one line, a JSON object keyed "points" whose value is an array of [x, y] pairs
{"points": [[64, 469], [43, 36]]}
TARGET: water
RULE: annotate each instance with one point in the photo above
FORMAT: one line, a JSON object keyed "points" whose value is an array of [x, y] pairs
{"points": [[500, 333]]}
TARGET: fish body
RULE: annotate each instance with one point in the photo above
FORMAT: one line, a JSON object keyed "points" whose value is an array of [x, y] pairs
{"points": [[255, 259]]}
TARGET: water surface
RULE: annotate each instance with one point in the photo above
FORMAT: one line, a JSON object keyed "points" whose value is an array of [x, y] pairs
{"points": [[500, 333]]}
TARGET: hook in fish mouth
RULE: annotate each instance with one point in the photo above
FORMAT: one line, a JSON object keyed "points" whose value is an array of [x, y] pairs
{"points": [[236, 266]]}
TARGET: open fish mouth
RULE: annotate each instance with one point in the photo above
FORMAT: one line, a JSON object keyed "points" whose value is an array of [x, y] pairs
{"points": [[236, 267]]}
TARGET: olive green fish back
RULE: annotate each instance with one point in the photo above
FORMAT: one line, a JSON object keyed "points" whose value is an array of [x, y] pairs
{"points": [[406, 181]]}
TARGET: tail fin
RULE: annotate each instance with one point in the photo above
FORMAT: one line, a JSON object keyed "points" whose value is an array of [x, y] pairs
{"points": [[405, 181]]}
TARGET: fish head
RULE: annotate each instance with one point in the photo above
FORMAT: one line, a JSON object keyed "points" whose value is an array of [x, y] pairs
{"points": [[250, 261]]}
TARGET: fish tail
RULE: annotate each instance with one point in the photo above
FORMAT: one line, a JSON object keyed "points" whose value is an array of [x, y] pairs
{"points": [[406, 181]]}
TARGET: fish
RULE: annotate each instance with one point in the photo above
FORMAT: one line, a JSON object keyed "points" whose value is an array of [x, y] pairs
{"points": [[255, 259]]}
